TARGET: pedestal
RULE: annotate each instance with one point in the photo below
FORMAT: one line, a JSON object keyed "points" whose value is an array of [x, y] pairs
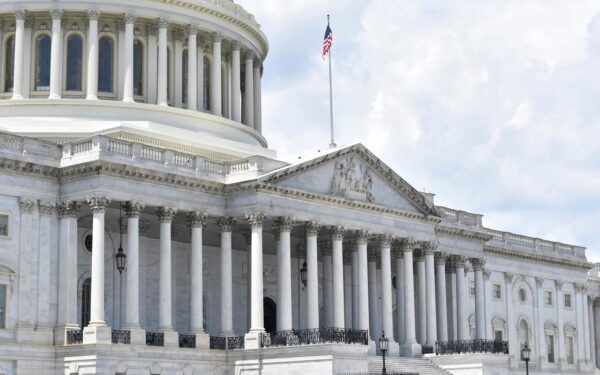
{"points": [[60, 333], [253, 340], [410, 350], [372, 347], [171, 339], [24, 333], [202, 341], [138, 336], [97, 334], [394, 349]]}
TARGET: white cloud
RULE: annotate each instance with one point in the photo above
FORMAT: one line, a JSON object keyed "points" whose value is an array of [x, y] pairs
{"points": [[491, 105]]}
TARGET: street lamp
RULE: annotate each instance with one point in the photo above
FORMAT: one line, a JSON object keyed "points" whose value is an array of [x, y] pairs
{"points": [[525, 352], [383, 346], [303, 274], [120, 257]]}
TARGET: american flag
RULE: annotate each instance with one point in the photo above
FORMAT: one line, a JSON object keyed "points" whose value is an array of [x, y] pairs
{"points": [[327, 41]]}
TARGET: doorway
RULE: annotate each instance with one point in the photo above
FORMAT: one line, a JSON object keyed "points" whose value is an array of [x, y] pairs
{"points": [[270, 314]]}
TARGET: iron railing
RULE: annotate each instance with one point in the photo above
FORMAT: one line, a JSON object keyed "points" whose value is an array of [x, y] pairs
{"points": [[315, 336], [471, 346], [155, 339], [187, 341], [119, 336], [74, 336], [426, 349], [387, 372], [224, 343]]}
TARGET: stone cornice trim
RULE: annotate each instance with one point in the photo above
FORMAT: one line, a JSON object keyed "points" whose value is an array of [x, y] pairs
{"points": [[509, 253], [27, 169], [464, 233], [387, 173]]}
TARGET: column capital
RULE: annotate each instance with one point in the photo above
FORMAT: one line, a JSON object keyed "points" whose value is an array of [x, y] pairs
{"points": [[385, 240], [255, 218], [247, 234], [478, 263], [347, 257], [26, 205], [98, 203], [177, 34], [68, 209], [559, 284], [235, 46], [406, 244], [93, 14], [361, 237], [152, 28], [428, 247], [165, 214], [163, 23], [284, 223], [249, 55], [129, 17], [372, 255], [192, 29], [46, 208], [197, 219], [226, 223], [508, 277], [578, 288], [56, 14], [217, 37], [539, 281], [441, 258], [29, 21], [337, 233], [133, 208], [459, 261], [487, 274], [311, 228], [20, 14]]}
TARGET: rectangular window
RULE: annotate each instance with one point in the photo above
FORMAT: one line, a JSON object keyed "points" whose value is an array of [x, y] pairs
{"points": [[4, 225], [567, 300], [550, 348], [497, 293], [2, 306], [548, 297], [569, 345], [472, 288], [498, 336]]}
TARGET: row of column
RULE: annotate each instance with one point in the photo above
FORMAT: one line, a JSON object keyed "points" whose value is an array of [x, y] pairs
{"points": [[252, 104]]}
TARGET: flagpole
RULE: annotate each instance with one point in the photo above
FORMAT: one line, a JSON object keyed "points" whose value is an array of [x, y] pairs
{"points": [[332, 144]]}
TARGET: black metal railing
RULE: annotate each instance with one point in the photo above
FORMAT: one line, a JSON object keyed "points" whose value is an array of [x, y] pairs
{"points": [[426, 349], [74, 336], [120, 336], [224, 343], [315, 336], [187, 341], [388, 372], [471, 346], [155, 339]]}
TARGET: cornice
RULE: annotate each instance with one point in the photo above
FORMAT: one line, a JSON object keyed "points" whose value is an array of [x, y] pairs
{"points": [[464, 233], [27, 169], [509, 253]]}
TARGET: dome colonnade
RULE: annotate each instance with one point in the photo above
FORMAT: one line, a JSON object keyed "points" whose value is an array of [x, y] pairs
{"points": [[105, 54]]}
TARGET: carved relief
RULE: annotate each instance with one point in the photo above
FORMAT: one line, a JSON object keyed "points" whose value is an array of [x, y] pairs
{"points": [[345, 181]]}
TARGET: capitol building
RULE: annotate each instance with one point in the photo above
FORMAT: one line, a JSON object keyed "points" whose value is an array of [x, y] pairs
{"points": [[146, 227]]}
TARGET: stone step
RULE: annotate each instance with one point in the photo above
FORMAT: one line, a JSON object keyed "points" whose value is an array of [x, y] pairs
{"points": [[422, 366]]}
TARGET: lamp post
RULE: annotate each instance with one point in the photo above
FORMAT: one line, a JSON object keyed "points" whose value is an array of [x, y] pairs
{"points": [[303, 274], [383, 346], [525, 352]]}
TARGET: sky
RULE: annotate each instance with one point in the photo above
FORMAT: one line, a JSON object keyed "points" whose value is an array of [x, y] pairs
{"points": [[494, 106]]}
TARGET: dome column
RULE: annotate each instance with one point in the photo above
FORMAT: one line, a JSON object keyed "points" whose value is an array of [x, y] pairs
{"points": [[215, 71], [128, 86], [257, 97], [249, 90], [162, 62], [192, 100], [236, 91], [19, 49], [92, 70], [55, 55]]}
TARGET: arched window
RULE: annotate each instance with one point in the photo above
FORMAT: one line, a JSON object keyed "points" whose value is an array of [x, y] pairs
{"points": [[42, 63], [9, 62], [206, 81], [523, 335], [74, 63], [105, 66], [184, 78], [138, 68], [86, 298]]}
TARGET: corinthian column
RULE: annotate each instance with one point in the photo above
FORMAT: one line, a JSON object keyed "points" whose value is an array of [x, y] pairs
{"points": [[284, 272], [440, 286], [363, 280], [92, 69], [19, 54], [165, 320], [461, 299], [386, 292], [399, 294], [226, 225], [409, 348], [312, 275], [46, 211], [97, 331], [25, 323], [478, 265], [55, 55], [132, 304], [421, 304], [431, 335], [337, 238], [198, 222], [257, 327]]}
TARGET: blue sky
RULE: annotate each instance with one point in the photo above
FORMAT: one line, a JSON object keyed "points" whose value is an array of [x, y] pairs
{"points": [[494, 106]]}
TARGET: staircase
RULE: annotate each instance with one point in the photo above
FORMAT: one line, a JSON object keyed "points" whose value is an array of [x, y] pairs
{"points": [[421, 366]]}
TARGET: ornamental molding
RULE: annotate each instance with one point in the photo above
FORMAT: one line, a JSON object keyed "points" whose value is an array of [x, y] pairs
{"points": [[407, 244], [361, 237], [311, 228], [46, 208], [226, 223], [166, 214], [68, 209], [26, 205], [509, 277], [133, 208], [348, 157], [255, 218], [463, 233], [536, 258], [559, 284], [93, 14], [98, 204], [198, 219], [539, 281], [385, 240], [441, 257], [26, 169], [284, 223], [478, 263]]}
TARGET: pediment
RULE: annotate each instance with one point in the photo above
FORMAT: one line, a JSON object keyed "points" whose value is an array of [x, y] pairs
{"points": [[352, 173]]}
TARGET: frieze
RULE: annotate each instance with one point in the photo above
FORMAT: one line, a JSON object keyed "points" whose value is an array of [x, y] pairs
{"points": [[513, 254], [350, 182]]}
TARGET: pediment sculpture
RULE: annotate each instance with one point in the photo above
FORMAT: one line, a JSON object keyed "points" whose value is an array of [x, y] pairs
{"points": [[352, 182]]}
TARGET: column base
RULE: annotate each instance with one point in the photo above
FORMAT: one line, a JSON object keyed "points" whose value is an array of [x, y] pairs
{"points": [[137, 336], [372, 347], [410, 350], [394, 349], [97, 334], [253, 340], [226, 334], [25, 333], [60, 333], [202, 341], [171, 338]]}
